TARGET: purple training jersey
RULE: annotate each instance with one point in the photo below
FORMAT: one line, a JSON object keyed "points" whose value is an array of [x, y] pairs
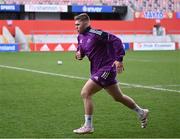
{"points": [[101, 48]]}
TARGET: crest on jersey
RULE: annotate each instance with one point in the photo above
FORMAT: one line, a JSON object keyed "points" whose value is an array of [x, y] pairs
{"points": [[89, 40], [96, 78]]}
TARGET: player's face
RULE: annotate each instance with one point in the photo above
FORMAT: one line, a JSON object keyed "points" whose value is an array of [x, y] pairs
{"points": [[80, 26]]}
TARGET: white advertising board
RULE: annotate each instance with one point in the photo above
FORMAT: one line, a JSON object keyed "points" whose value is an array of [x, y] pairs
{"points": [[46, 8], [153, 46]]}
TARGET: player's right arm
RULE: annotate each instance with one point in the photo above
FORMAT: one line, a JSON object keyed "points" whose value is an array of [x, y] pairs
{"points": [[79, 53]]}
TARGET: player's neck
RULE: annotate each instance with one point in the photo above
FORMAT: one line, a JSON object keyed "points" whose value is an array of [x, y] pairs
{"points": [[87, 29]]}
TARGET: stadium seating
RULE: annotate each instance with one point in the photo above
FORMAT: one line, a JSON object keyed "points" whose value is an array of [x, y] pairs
{"points": [[137, 5]]}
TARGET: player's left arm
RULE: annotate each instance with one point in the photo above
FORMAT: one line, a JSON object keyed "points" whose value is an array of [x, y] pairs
{"points": [[119, 52], [119, 66], [117, 45]]}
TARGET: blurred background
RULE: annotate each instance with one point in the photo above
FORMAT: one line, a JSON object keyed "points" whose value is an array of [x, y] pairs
{"points": [[47, 25], [40, 98]]}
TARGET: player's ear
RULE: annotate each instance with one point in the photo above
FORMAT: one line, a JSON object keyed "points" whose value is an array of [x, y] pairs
{"points": [[86, 23]]}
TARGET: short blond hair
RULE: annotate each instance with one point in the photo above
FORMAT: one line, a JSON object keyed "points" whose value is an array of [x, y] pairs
{"points": [[82, 17]]}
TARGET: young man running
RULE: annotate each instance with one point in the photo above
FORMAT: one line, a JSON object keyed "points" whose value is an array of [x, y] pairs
{"points": [[105, 53]]}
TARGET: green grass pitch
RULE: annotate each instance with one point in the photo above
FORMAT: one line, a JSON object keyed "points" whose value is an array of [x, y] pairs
{"points": [[37, 105]]}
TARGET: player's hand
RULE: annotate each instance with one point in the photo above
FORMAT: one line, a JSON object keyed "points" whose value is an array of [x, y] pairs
{"points": [[78, 55], [119, 66]]}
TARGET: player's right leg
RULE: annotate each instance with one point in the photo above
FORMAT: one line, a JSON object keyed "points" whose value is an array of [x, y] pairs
{"points": [[89, 89], [118, 96]]}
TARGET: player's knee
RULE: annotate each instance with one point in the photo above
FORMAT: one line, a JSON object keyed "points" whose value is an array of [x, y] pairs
{"points": [[84, 94]]}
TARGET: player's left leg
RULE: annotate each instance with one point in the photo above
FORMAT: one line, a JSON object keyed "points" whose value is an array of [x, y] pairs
{"points": [[118, 96]]}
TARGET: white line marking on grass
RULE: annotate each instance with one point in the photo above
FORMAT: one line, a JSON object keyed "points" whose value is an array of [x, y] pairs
{"points": [[124, 86], [171, 85], [150, 87], [44, 72], [83, 78]]}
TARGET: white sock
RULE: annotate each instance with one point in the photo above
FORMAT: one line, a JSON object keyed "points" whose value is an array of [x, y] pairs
{"points": [[139, 110], [88, 120]]}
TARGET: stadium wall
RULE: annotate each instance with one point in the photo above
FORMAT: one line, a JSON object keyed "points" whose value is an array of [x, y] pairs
{"points": [[137, 26]]}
